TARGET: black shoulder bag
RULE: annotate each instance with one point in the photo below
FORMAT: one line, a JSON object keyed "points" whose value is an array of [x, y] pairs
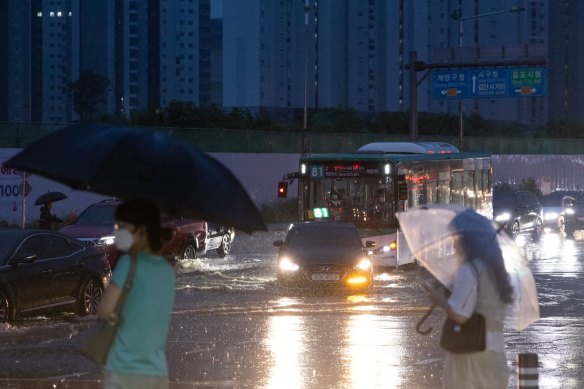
{"points": [[469, 337], [98, 339]]}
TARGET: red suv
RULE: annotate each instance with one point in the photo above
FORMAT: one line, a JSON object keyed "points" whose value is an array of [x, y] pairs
{"points": [[189, 238]]}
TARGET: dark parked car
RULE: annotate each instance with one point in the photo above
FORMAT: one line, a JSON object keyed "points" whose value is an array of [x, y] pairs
{"points": [[571, 218], [554, 203], [517, 212], [42, 269], [324, 254], [189, 238]]}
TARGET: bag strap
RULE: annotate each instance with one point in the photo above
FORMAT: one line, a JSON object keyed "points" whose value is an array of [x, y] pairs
{"points": [[126, 289], [477, 275]]}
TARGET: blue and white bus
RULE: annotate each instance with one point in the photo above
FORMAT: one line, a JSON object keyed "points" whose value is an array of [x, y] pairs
{"points": [[369, 186]]}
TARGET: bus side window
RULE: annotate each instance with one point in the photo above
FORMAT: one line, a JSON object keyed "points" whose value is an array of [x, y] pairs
{"points": [[444, 187], [456, 188]]}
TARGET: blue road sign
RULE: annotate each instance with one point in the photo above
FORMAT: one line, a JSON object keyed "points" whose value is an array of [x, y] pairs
{"points": [[450, 84], [527, 81], [488, 83]]}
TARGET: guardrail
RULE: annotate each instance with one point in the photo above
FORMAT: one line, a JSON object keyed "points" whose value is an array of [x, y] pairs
{"points": [[17, 135]]}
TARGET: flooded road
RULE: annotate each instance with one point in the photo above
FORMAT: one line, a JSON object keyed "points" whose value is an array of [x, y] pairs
{"points": [[232, 328]]}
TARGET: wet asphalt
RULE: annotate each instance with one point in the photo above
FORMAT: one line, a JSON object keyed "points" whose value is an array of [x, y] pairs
{"points": [[232, 327]]}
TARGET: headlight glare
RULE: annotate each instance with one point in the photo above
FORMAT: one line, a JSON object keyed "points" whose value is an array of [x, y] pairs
{"points": [[503, 217], [364, 264], [569, 211], [107, 240], [550, 215], [287, 265]]}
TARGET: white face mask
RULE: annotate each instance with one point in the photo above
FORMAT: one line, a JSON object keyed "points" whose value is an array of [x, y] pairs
{"points": [[124, 239]]}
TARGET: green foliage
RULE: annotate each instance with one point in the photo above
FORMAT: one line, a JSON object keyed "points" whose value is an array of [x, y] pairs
{"points": [[390, 123], [337, 120], [565, 129], [283, 211], [88, 93]]}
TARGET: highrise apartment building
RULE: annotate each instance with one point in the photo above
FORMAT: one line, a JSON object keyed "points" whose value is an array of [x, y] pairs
{"points": [[151, 51], [566, 79], [490, 33], [353, 53], [41, 38]]}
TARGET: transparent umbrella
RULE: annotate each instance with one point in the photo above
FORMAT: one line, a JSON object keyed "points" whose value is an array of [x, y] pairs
{"points": [[431, 238]]}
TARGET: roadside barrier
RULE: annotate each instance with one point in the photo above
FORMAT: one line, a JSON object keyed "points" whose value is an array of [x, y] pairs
{"points": [[527, 375]]}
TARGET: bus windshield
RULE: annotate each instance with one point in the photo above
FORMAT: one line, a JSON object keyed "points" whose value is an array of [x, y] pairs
{"points": [[359, 200]]}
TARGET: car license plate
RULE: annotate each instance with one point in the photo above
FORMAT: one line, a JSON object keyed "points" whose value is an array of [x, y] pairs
{"points": [[325, 277]]}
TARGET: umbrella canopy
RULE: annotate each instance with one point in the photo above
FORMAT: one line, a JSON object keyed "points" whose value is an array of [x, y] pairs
{"points": [[50, 197], [134, 163], [432, 235]]}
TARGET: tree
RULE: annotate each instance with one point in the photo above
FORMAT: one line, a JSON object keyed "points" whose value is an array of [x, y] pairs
{"points": [[87, 93]]}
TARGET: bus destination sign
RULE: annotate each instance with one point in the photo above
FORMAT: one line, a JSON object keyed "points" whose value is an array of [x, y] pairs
{"points": [[340, 170]]}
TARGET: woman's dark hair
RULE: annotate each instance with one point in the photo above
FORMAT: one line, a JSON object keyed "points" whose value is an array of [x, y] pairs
{"points": [[145, 213], [483, 247], [478, 242]]}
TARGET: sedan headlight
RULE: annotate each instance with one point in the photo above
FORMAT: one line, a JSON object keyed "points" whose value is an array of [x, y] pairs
{"points": [[106, 240], [503, 217], [569, 211], [550, 215], [364, 264], [286, 265]]}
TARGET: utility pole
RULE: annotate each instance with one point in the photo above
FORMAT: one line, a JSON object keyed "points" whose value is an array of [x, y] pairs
{"points": [[457, 15], [305, 141], [413, 96]]}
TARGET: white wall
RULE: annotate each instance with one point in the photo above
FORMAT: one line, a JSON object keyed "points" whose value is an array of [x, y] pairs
{"points": [[260, 173]]}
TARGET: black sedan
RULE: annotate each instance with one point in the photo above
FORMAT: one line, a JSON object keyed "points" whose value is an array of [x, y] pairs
{"points": [[42, 269], [324, 254]]}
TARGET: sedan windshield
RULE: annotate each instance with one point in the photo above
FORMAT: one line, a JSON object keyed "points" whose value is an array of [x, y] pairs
{"points": [[323, 237], [97, 215], [503, 200]]}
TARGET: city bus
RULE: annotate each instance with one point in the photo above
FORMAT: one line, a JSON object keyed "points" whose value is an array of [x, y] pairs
{"points": [[369, 186]]}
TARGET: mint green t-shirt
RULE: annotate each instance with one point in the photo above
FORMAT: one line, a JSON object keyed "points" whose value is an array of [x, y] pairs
{"points": [[140, 343]]}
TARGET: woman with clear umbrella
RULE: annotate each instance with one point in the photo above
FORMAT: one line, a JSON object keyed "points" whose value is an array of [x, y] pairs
{"points": [[481, 285]]}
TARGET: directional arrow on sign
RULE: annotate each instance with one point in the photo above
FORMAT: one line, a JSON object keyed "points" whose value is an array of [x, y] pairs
{"points": [[474, 84], [450, 92], [526, 90]]}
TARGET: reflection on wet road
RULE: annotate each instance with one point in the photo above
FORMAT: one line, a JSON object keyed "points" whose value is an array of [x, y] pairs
{"points": [[232, 327]]}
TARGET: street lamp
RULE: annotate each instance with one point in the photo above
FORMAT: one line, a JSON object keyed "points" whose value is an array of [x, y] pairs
{"points": [[457, 15]]}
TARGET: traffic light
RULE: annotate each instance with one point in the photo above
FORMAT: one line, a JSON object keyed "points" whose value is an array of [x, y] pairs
{"points": [[282, 189]]}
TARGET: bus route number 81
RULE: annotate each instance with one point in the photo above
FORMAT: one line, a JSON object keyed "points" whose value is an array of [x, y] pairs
{"points": [[317, 171]]}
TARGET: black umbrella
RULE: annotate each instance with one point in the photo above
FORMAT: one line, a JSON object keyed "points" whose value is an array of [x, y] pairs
{"points": [[50, 197], [134, 163]]}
